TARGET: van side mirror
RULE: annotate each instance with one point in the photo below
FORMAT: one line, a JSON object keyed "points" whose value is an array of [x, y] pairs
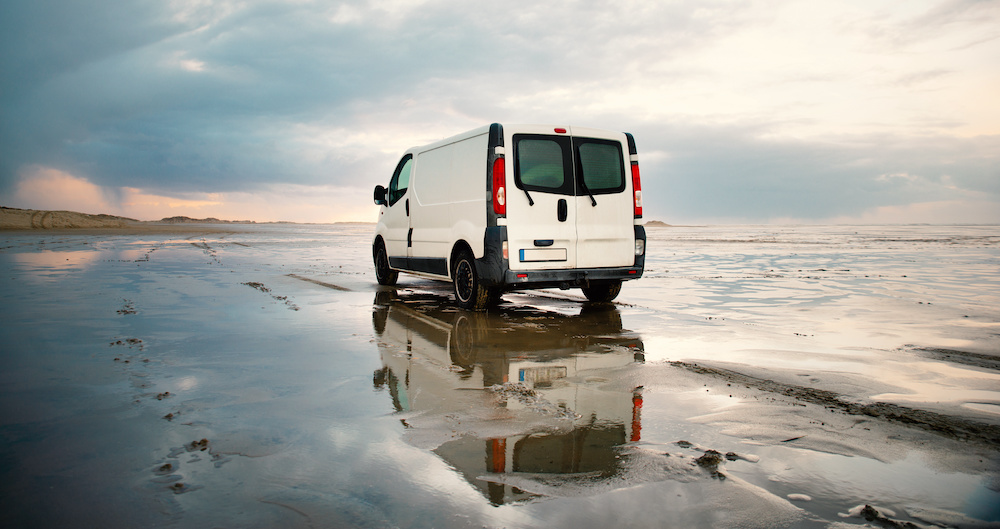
{"points": [[380, 193]]}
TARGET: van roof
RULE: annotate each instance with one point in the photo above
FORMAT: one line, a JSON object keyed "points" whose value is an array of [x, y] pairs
{"points": [[525, 127]]}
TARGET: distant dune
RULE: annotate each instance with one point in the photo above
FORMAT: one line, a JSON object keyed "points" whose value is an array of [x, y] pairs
{"points": [[657, 224], [209, 220], [33, 219], [28, 219]]}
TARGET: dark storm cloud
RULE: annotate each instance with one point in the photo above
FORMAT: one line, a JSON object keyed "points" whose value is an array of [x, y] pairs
{"points": [[133, 98], [201, 97], [192, 96]]}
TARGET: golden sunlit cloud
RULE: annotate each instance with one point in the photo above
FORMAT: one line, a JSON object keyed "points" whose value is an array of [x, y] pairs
{"points": [[51, 189], [136, 200]]}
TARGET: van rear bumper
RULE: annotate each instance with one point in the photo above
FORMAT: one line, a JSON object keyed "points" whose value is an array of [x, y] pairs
{"points": [[572, 278], [494, 271]]}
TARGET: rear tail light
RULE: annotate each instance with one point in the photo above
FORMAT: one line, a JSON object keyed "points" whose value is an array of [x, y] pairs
{"points": [[499, 187], [637, 189]]}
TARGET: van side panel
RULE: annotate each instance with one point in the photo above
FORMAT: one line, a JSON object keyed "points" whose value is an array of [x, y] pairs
{"points": [[449, 201]]}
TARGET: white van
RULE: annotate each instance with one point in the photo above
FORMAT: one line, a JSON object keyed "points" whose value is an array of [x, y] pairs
{"points": [[515, 207]]}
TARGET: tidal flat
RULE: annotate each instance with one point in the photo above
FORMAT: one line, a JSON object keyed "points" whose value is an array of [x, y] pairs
{"points": [[257, 376]]}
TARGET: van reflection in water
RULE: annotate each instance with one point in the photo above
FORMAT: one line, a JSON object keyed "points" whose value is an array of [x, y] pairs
{"points": [[510, 397]]}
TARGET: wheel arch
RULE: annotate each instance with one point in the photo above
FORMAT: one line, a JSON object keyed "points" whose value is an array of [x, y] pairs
{"points": [[376, 242], [460, 246]]}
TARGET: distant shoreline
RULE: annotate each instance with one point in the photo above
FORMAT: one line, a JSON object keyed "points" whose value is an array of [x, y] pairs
{"points": [[16, 219], [33, 219]]}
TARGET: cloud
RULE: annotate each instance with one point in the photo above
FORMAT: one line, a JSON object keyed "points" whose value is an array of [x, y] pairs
{"points": [[711, 174], [790, 110], [950, 211], [56, 190], [50, 189]]}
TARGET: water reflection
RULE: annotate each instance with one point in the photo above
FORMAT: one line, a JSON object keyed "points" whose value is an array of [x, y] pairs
{"points": [[48, 260], [519, 391]]}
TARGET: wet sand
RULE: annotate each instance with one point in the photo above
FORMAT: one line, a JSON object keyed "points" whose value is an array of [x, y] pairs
{"points": [[256, 376]]}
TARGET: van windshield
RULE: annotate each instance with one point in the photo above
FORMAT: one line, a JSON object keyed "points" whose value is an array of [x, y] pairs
{"points": [[400, 179]]}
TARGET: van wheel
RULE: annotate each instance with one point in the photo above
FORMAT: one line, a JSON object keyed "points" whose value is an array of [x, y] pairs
{"points": [[384, 274], [603, 292], [469, 292]]}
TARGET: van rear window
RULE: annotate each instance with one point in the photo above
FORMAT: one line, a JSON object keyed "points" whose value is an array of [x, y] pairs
{"points": [[541, 164], [601, 166], [565, 166]]}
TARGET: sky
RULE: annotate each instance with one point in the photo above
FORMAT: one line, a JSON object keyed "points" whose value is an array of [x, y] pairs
{"points": [[868, 111]]}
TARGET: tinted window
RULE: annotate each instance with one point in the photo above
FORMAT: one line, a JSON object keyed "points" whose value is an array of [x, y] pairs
{"points": [[556, 164], [601, 166], [400, 180], [542, 164]]}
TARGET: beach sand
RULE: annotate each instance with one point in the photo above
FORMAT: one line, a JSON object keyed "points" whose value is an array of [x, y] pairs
{"points": [[30, 219], [257, 376]]}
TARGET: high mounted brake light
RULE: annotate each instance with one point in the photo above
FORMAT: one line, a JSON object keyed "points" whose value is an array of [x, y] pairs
{"points": [[499, 187], [560, 130]]}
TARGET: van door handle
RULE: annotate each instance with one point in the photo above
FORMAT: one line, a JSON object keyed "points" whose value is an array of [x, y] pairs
{"points": [[563, 210], [407, 207]]}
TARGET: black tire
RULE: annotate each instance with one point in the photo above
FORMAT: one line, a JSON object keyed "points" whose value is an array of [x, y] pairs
{"points": [[469, 291], [603, 292], [383, 274]]}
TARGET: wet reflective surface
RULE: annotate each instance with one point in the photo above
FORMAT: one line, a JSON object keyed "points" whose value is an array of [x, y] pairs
{"points": [[258, 377], [514, 392]]}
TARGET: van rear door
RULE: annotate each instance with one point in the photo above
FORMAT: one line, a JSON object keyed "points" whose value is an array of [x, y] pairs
{"points": [[541, 205], [605, 213], [570, 205]]}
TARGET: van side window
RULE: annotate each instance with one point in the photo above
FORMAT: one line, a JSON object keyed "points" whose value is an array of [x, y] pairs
{"points": [[542, 164], [400, 179], [601, 165]]}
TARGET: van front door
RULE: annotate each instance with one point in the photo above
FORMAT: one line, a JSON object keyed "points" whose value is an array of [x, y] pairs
{"points": [[397, 214], [541, 211]]}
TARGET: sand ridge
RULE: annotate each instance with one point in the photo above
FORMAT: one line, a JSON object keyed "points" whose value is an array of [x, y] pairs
{"points": [[15, 219], [33, 219]]}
